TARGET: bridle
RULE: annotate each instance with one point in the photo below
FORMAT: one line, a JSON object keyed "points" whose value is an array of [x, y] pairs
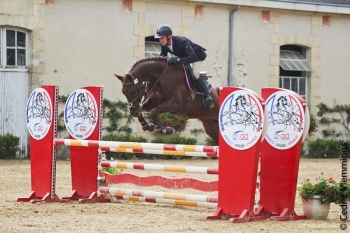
{"points": [[145, 97], [138, 87]]}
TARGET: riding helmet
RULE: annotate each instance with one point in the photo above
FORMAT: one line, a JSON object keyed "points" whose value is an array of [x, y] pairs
{"points": [[163, 30]]}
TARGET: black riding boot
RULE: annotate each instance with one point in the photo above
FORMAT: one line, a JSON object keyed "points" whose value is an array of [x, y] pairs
{"points": [[208, 101]]}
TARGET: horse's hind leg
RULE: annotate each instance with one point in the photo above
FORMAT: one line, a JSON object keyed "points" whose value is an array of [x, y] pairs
{"points": [[164, 130], [211, 127], [215, 94]]}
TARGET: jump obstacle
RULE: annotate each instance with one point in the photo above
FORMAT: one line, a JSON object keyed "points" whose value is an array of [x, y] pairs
{"points": [[238, 157], [153, 196], [145, 148]]}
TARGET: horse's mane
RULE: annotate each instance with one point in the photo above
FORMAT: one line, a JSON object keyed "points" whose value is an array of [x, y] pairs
{"points": [[148, 59]]}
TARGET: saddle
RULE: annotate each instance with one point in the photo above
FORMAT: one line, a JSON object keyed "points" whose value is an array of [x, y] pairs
{"points": [[194, 88]]}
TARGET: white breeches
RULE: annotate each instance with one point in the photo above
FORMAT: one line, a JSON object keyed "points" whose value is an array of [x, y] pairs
{"points": [[196, 68]]}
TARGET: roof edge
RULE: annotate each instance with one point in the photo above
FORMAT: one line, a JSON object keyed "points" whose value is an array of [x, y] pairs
{"points": [[286, 4]]}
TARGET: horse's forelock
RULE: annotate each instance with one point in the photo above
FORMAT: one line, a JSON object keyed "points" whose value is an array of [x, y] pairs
{"points": [[125, 77]]}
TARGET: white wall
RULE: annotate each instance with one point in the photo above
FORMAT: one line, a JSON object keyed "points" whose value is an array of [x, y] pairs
{"points": [[334, 71], [252, 50], [211, 32], [86, 43]]}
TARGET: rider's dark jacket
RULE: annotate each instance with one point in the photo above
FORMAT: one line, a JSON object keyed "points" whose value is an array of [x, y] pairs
{"points": [[186, 50]]}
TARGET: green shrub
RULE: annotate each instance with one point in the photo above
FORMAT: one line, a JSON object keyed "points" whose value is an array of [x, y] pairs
{"points": [[321, 148], [122, 138], [9, 145], [173, 139], [110, 170], [210, 142], [313, 124], [169, 120], [197, 131]]}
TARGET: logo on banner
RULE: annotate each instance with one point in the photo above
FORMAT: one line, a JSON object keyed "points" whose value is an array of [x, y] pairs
{"points": [[241, 119], [80, 114], [39, 113], [286, 120]]}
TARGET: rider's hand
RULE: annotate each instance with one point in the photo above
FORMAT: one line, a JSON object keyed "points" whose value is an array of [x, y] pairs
{"points": [[172, 60]]}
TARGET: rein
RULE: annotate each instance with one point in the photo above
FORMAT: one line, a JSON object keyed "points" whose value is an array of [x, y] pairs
{"points": [[160, 76]]}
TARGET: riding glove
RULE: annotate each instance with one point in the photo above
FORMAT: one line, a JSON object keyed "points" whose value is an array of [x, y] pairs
{"points": [[172, 60]]}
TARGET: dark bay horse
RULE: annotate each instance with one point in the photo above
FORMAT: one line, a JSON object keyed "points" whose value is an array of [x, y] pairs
{"points": [[156, 87]]}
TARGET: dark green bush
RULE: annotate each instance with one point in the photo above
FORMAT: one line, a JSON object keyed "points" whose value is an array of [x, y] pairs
{"points": [[313, 124], [210, 142], [173, 139], [9, 145], [321, 148], [169, 120], [111, 170], [122, 138]]}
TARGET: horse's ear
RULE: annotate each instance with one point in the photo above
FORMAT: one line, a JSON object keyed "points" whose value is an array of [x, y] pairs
{"points": [[119, 77], [128, 77]]}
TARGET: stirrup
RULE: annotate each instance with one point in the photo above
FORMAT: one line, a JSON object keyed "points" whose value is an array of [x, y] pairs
{"points": [[205, 76]]}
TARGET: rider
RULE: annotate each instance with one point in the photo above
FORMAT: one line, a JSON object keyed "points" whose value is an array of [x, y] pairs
{"points": [[185, 52]]}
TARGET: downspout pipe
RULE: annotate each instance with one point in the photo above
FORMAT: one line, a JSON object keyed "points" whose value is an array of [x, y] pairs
{"points": [[230, 47]]}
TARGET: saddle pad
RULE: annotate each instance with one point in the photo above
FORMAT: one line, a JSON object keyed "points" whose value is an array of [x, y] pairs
{"points": [[191, 83]]}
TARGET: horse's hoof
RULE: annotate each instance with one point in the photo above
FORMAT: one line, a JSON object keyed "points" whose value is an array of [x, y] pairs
{"points": [[167, 130], [171, 130], [151, 127]]}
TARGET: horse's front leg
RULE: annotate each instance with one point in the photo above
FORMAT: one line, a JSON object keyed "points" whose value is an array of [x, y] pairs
{"points": [[145, 125]]}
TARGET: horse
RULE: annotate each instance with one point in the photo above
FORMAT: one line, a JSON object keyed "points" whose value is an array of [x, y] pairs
{"points": [[152, 85]]}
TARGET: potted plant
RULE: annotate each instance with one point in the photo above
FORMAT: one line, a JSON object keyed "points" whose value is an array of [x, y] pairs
{"points": [[317, 196]]}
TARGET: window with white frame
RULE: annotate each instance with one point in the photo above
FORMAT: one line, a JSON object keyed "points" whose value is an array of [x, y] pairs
{"points": [[294, 69], [296, 84], [13, 48], [152, 47]]}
